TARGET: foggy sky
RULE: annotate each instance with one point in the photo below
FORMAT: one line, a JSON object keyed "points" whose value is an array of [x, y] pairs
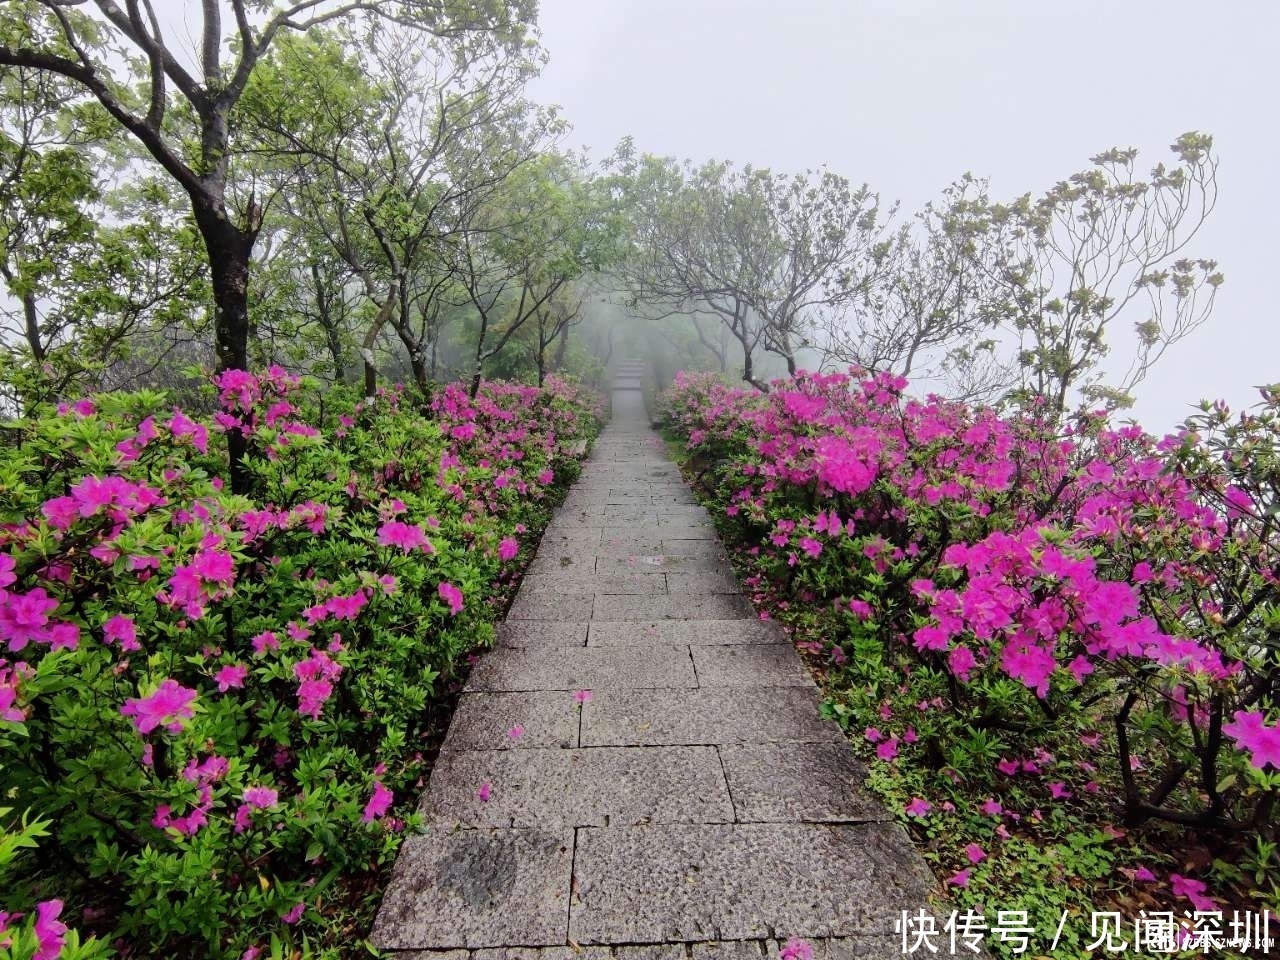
{"points": [[909, 95]]}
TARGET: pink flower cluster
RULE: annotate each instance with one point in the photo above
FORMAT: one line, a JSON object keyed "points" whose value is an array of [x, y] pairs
{"points": [[316, 676], [168, 706], [1056, 557]]}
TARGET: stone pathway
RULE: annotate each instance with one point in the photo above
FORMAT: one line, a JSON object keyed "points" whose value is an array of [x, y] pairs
{"points": [[638, 769]]}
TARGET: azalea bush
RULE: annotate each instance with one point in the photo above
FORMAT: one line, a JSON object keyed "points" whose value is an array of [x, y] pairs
{"points": [[1068, 627], [218, 707]]}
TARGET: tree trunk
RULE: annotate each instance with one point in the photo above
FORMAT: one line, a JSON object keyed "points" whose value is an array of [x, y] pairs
{"points": [[324, 311], [371, 337], [478, 369], [31, 317], [229, 249], [417, 357], [562, 347]]}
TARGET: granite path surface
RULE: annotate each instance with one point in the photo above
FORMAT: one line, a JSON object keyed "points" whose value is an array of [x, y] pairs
{"points": [[638, 769]]}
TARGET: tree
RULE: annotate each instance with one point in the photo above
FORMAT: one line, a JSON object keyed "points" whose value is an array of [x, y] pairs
{"points": [[1019, 300], [1073, 262], [86, 272], [762, 251], [931, 304], [519, 259], [410, 143], [183, 117]]}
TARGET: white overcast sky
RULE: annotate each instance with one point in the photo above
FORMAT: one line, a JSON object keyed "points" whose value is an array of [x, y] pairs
{"points": [[906, 95]]}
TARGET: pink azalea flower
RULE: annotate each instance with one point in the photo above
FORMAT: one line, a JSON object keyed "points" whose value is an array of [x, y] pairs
{"points": [[1193, 890], [24, 616], [918, 807], [169, 705], [484, 792], [265, 641], [888, 750], [452, 596], [260, 797], [992, 807], [120, 629], [1008, 767], [231, 675], [50, 932], [294, 914], [508, 548], [406, 536], [1059, 791], [962, 663], [975, 853], [795, 949], [379, 803], [1251, 733], [316, 675], [582, 696], [873, 734], [180, 425], [213, 768], [516, 732], [960, 878]]}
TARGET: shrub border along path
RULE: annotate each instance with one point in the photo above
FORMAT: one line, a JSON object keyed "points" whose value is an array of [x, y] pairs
{"points": [[641, 766]]}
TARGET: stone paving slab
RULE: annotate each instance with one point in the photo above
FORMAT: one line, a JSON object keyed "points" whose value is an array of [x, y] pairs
{"points": [[569, 529], [551, 606], [676, 531], [703, 582], [713, 606], [824, 948], [618, 544], [742, 881], [750, 665], [672, 546], [477, 888], [576, 519], [482, 721], [605, 633], [634, 583], [797, 782], [601, 786], [658, 562], [653, 951], [578, 558], [541, 633], [638, 515], [577, 668], [619, 717], [698, 518]]}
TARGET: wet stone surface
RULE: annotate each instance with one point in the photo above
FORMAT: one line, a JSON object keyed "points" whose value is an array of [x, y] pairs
{"points": [[477, 888]]}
